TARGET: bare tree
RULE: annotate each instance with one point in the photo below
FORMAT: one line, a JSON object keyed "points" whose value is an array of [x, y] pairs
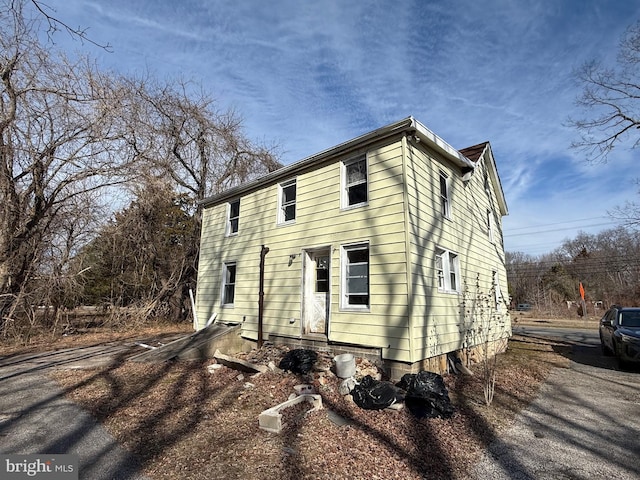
{"points": [[55, 24], [68, 130], [176, 131], [611, 101], [58, 143]]}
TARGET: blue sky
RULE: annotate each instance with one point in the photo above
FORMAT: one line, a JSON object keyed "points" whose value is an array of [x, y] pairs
{"points": [[311, 74]]}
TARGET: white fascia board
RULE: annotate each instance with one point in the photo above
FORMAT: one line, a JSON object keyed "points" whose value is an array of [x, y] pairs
{"points": [[495, 178], [437, 143], [409, 124], [294, 168]]}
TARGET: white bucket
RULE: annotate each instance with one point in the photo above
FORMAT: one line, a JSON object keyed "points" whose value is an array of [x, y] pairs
{"points": [[345, 365]]}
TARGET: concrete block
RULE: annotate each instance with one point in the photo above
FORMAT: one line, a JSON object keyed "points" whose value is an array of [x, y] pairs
{"points": [[238, 364], [271, 419]]}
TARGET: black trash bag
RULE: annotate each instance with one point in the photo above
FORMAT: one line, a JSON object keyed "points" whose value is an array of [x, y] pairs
{"points": [[427, 395], [298, 361], [372, 394]]}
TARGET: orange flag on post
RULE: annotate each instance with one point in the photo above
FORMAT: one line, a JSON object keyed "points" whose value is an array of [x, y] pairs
{"points": [[581, 291]]}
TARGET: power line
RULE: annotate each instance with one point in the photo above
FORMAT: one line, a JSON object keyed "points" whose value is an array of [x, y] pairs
{"points": [[558, 229], [559, 223]]}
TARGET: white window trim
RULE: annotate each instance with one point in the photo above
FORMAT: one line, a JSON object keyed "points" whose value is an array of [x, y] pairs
{"points": [[491, 225], [225, 267], [344, 195], [448, 258], [281, 204], [445, 199], [344, 305], [498, 291], [228, 231]]}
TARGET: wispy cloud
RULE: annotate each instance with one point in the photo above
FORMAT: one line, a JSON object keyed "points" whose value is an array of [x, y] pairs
{"points": [[312, 74]]}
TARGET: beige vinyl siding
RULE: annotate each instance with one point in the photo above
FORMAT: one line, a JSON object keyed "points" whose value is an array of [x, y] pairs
{"points": [[437, 318], [320, 222]]}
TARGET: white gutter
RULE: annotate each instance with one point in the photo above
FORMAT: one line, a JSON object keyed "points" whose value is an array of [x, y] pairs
{"points": [[409, 124], [437, 143]]}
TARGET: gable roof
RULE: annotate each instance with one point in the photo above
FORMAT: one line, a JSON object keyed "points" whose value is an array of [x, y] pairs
{"points": [[483, 150], [475, 152]]}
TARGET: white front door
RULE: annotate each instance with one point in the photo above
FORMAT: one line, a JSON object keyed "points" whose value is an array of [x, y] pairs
{"points": [[317, 281]]}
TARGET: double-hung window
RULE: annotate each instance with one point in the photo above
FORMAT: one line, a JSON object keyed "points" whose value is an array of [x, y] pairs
{"points": [[445, 195], [287, 202], [354, 181], [228, 283], [355, 276], [498, 292], [233, 217], [447, 271], [491, 226]]}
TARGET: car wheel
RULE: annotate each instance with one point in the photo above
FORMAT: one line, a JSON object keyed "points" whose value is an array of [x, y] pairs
{"points": [[622, 364], [606, 351]]}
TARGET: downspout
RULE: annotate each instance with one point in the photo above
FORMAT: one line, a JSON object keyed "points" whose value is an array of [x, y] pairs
{"points": [[263, 253]]}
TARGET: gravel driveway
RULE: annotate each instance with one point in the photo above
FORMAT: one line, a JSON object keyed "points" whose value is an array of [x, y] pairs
{"points": [[36, 418], [585, 424]]}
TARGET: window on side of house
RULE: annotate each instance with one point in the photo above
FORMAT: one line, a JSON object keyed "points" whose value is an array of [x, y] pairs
{"points": [[354, 180], [491, 225], [487, 188], [447, 271], [233, 219], [355, 276], [445, 195], [498, 291], [229, 283], [287, 201]]}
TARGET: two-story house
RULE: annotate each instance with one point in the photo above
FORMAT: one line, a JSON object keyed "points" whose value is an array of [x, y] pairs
{"points": [[388, 244]]}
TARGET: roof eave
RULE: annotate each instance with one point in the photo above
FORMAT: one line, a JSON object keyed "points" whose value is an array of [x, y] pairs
{"points": [[408, 124], [294, 168]]}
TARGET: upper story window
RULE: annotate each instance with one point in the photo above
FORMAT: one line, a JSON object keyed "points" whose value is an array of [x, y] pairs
{"points": [[228, 283], [287, 202], [354, 181], [445, 195], [355, 276], [233, 219], [447, 271], [487, 188], [491, 225], [498, 291]]}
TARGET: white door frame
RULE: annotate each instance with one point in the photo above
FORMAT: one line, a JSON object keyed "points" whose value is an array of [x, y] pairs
{"points": [[315, 304]]}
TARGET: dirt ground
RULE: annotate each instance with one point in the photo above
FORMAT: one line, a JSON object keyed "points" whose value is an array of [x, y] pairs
{"points": [[185, 422]]}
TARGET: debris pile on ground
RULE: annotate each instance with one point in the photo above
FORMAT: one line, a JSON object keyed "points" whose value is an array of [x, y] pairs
{"points": [[299, 361], [427, 395], [373, 394], [185, 423], [366, 367]]}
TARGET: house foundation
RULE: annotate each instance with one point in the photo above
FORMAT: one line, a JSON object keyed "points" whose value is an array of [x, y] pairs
{"points": [[394, 369]]}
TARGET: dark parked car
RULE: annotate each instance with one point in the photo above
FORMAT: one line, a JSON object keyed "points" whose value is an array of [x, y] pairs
{"points": [[620, 334]]}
